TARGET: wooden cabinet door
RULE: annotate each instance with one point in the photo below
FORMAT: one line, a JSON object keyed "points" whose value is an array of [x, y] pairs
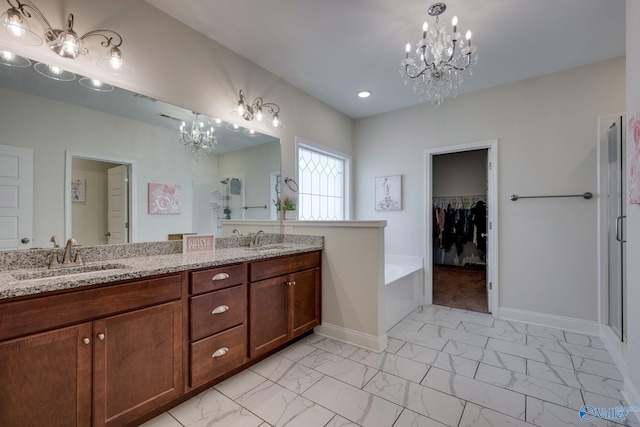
{"points": [[45, 379], [268, 315], [304, 301], [138, 362]]}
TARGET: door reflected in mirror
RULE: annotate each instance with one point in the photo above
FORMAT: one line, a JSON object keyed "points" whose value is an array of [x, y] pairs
{"points": [[100, 208]]}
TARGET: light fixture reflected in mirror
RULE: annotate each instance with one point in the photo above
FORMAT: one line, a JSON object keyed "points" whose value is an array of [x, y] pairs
{"points": [[13, 60], [250, 132], [198, 142], [65, 43], [234, 127], [95, 84], [54, 72], [257, 110]]}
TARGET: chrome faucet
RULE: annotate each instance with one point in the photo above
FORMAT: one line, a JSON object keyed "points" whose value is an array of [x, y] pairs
{"points": [[256, 239], [66, 259], [55, 241], [235, 232]]}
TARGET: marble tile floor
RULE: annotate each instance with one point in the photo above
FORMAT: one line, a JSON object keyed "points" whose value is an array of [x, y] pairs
{"points": [[443, 367]]}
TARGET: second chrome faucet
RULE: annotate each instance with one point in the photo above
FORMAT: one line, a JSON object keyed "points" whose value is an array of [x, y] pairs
{"points": [[66, 258]]}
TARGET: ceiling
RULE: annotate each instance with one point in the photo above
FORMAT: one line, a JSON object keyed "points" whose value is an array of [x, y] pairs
{"points": [[332, 49]]}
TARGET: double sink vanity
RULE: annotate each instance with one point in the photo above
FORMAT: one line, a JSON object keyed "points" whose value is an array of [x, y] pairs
{"points": [[141, 327]]}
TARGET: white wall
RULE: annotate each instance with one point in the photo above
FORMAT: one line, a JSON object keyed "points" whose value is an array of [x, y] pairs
{"points": [[547, 133], [632, 382]]}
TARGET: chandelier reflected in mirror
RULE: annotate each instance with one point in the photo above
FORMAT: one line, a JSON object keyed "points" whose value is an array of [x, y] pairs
{"points": [[198, 142], [65, 42], [440, 57]]}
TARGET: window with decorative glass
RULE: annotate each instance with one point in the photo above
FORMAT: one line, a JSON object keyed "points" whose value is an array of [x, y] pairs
{"points": [[322, 192]]}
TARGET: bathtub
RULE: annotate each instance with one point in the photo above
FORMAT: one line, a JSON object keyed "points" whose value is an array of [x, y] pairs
{"points": [[403, 279]]}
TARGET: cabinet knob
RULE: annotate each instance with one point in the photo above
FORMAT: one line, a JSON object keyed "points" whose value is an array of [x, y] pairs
{"points": [[101, 337], [86, 340], [220, 352], [220, 309], [292, 283], [220, 276]]}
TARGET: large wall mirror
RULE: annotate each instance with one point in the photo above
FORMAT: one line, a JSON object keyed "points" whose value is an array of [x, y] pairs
{"points": [[91, 147]]}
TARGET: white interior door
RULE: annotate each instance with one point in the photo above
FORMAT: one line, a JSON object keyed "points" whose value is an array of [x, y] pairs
{"points": [[118, 205], [16, 197]]}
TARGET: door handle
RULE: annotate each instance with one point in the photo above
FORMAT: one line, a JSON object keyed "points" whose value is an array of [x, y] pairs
{"points": [[619, 228]]}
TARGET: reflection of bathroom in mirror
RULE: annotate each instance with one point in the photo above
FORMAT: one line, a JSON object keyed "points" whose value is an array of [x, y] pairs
{"points": [[53, 118]]}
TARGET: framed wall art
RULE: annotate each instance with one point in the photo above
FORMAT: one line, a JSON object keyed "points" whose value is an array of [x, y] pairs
{"points": [[388, 193], [164, 199], [78, 190]]}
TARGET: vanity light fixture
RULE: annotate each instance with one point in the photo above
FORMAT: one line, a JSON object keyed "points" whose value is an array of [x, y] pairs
{"points": [[257, 110], [65, 43], [435, 67], [197, 142]]}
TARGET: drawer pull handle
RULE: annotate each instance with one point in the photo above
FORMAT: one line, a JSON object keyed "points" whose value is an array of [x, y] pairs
{"points": [[220, 352], [220, 276], [291, 283], [86, 340], [101, 337], [220, 309]]}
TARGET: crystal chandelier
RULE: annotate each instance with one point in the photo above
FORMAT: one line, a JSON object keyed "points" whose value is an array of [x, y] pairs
{"points": [[198, 142], [257, 109], [63, 42], [440, 57]]}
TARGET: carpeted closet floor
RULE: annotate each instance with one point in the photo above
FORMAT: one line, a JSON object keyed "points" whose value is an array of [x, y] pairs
{"points": [[460, 287]]}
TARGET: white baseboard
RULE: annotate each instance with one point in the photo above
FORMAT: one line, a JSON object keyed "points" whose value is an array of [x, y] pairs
{"points": [[349, 336], [616, 348], [587, 327]]}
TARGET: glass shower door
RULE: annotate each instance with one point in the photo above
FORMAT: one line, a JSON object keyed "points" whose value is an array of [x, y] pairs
{"points": [[616, 209]]}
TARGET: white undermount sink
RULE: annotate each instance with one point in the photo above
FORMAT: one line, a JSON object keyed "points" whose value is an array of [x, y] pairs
{"points": [[65, 271]]}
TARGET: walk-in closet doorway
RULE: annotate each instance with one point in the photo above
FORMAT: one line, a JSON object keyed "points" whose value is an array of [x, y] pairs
{"points": [[461, 226]]}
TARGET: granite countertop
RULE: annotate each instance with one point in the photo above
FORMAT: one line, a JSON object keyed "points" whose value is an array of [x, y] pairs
{"points": [[20, 282]]}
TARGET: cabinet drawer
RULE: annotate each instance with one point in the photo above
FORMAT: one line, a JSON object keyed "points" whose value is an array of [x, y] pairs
{"points": [[217, 278], [280, 266], [229, 349], [216, 311]]}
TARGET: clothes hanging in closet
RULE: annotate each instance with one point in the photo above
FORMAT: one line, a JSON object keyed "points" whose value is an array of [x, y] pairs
{"points": [[459, 220]]}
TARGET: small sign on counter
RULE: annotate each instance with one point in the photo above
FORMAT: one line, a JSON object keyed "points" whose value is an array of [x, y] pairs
{"points": [[198, 243]]}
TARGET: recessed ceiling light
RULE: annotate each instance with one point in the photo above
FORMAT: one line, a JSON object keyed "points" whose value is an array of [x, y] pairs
{"points": [[364, 94]]}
